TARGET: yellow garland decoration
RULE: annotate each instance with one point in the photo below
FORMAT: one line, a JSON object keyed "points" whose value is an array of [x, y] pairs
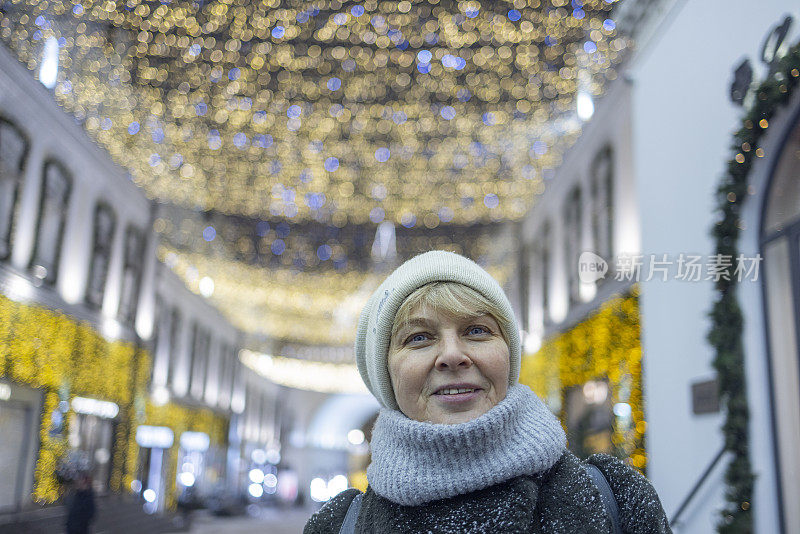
{"points": [[46, 349], [605, 345], [181, 419], [316, 309]]}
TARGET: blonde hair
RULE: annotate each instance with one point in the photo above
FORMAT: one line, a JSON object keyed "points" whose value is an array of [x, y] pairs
{"points": [[449, 298]]}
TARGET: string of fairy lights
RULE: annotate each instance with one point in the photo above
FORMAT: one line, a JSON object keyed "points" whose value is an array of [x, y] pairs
{"points": [[341, 111], [286, 303], [320, 120], [283, 132], [309, 246]]}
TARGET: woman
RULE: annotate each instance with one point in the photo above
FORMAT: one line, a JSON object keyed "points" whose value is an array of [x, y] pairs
{"points": [[459, 445]]}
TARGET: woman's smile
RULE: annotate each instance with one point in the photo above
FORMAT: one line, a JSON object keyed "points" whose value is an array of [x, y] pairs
{"points": [[457, 396]]}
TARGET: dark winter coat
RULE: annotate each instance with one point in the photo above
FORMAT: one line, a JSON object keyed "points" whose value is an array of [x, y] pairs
{"points": [[562, 500], [81, 511]]}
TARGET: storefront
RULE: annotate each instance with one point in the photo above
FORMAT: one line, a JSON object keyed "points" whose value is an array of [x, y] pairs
{"points": [[590, 375], [192, 461], [19, 411], [92, 429], [180, 448], [153, 465]]}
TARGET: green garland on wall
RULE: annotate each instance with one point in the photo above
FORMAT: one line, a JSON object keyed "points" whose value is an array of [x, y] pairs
{"points": [[725, 334]]}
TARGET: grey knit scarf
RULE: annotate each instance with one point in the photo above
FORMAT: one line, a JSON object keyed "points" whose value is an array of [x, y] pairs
{"points": [[414, 463]]}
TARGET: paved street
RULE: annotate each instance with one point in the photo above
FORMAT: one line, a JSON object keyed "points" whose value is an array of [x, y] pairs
{"points": [[269, 521]]}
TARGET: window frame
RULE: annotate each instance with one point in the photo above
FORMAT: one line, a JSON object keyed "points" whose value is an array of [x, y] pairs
{"points": [[544, 273], [198, 361], [128, 306], [51, 276], [573, 232], [602, 193], [97, 248], [7, 242], [175, 325]]}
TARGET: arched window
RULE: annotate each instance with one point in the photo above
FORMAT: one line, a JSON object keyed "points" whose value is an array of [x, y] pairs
{"points": [[228, 355], [544, 270], [780, 248], [160, 336], [131, 273], [602, 187], [172, 328], [13, 152], [525, 284], [105, 223], [573, 229], [198, 361], [53, 202]]}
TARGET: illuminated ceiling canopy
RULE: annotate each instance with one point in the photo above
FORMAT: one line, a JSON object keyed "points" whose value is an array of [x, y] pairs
{"points": [[424, 111], [326, 117]]}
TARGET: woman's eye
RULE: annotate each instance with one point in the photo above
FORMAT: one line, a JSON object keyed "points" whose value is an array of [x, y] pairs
{"points": [[477, 330], [416, 338]]}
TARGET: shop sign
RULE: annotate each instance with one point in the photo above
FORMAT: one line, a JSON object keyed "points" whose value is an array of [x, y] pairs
{"points": [[154, 437], [705, 397], [98, 408], [195, 441]]}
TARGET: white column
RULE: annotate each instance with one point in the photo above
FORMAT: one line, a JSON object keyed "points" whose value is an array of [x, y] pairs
{"points": [[213, 371], [588, 290], [76, 245], [116, 263], [145, 311], [179, 359], [559, 294]]}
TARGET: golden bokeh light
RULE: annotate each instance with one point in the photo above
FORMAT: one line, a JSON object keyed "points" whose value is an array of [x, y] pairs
{"points": [[445, 118], [216, 104]]}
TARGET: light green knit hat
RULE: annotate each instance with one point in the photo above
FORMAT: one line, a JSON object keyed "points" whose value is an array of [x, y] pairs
{"points": [[377, 317]]}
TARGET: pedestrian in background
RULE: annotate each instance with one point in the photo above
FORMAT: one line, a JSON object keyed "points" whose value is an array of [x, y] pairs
{"points": [[459, 445], [81, 509]]}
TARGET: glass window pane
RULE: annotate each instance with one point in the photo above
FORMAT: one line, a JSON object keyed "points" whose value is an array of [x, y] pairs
{"points": [[545, 273], [131, 274], [783, 205], [175, 324], [589, 418], [602, 204], [573, 228], [104, 225], [52, 216], [13, 419], [524, 285], [92, 438], [781, 328], [13, 148]]}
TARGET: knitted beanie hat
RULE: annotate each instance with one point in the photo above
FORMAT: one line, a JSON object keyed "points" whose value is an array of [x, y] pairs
{"points": [[377, 317]]}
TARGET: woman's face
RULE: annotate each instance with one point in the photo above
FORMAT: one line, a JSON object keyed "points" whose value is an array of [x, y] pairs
{"points": [[448, 369]]}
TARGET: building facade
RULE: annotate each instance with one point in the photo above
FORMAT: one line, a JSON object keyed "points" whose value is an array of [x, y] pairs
{"points": [[108, 361], [646, 192]]}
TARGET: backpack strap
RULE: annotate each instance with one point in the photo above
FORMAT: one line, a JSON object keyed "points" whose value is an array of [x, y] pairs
{"points": [[349, 524], [609, 501]]}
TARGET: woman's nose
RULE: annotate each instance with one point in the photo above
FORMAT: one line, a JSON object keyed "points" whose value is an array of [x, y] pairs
{"points": [[452, 354]]}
